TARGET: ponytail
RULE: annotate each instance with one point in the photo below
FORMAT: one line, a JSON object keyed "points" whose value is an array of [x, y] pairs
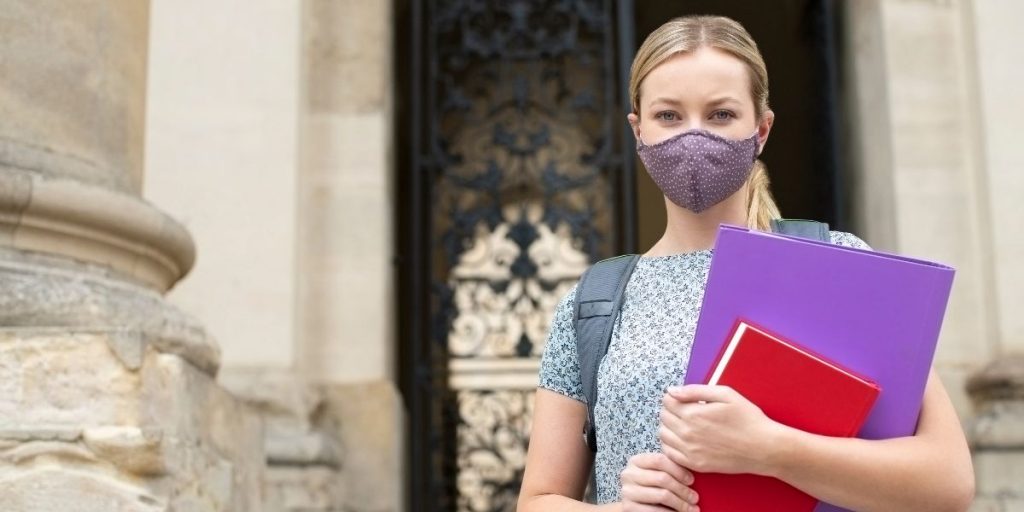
{"points": [[761, 208]]}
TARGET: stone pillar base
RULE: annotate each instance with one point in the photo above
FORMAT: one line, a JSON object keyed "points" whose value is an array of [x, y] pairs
{"points": [[303, 460], [329, 447], [997, 436], [108, 399]]}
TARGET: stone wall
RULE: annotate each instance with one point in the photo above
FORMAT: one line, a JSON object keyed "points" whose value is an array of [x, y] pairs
{"points": [[998, 389], [108, 398], [932, 115], [221, 152], [916, 161], [286, 183]]}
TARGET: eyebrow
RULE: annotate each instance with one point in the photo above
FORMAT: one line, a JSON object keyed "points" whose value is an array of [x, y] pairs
{"points": [[674, 102], [667, 101], [723, 100]]}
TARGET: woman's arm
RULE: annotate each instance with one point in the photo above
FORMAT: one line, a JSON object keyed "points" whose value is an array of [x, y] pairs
{"points": [[558, 461], [930, 471], [558, 464]]}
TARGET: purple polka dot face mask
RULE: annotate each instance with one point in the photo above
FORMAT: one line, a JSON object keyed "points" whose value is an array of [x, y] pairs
{"points": [[698, 169]]}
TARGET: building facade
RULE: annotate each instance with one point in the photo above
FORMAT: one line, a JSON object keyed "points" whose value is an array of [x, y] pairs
{"points": [[264, 255]]}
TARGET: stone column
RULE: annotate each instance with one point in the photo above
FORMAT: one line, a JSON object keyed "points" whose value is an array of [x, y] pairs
{"points": [[917, 180], [107, 397], [934, 113], [997, 435], [998, 388], [345, 301]]}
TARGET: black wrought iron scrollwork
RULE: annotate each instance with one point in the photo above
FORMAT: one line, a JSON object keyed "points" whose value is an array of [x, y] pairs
{"points": [[523, 114], [522, 145], [492, 447]]}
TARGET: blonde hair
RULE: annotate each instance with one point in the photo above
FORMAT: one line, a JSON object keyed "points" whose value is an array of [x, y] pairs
{"points": [[687, 34]]}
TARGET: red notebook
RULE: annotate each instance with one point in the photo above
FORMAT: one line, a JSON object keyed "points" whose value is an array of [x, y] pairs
{"points": [[794, 387]]}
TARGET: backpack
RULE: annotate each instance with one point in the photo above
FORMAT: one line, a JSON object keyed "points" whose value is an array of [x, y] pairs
{"points": [[599, 298]]}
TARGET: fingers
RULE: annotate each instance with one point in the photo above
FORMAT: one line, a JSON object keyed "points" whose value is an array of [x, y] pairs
{"points": [[671, 417], [677, 456], [660, 480], [645, 460], [684, 419], [666, 474], [653, 479], [679, 473], [702, 393], [628, 506], [674, 450], [678, 415], [652, 496]]}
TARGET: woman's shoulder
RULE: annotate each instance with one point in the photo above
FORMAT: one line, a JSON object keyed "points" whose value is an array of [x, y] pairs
{"points": [[845, 239]]}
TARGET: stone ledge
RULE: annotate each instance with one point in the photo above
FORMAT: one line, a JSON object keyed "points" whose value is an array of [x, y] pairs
{"points": [[1000, 474], [989, 504], [305, 489], [134, 450], [95, 225], [368, 419], [69, 404], [65, 434], [330, 446], [998, 425], [212, 442], [303, 449], [49, 488], [52, 163], [1003, 379], [40, 300], [285, 400]]}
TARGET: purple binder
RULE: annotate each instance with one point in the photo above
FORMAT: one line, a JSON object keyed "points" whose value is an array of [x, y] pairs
{"points": [[876, 314]]}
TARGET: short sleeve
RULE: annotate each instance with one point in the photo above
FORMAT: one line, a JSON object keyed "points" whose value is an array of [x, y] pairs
{"points": [[560, 364], [848, 240]]}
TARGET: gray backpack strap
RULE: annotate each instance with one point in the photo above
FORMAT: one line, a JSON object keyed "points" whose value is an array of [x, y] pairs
{"points": [[809, 229], [598, 299]]}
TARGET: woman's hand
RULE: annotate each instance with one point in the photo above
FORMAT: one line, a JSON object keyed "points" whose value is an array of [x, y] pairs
{"points": [[651, 482], [714, 429]]}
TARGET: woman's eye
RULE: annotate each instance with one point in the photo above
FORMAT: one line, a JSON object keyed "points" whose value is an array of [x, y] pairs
{"points": [[666, 116], [722, 115]]}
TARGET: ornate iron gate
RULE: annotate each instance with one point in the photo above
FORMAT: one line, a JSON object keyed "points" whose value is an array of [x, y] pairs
{"points": [[518, 174]]}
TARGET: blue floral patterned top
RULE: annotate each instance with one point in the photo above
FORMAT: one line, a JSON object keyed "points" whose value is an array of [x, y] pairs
{"points": [[650, 347]]}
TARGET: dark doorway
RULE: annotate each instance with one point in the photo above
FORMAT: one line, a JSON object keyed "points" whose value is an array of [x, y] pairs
{"points": [[516, 170], [515, 173]]}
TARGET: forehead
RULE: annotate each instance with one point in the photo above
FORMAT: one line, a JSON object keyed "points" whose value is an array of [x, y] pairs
{"points": [[706, 73]]}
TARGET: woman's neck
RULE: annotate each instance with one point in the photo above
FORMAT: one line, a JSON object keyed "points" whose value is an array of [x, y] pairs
{"points": [[686, 231]]}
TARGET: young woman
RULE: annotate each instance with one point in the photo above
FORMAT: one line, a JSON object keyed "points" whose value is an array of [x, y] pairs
{"points": [[700, 116]]}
